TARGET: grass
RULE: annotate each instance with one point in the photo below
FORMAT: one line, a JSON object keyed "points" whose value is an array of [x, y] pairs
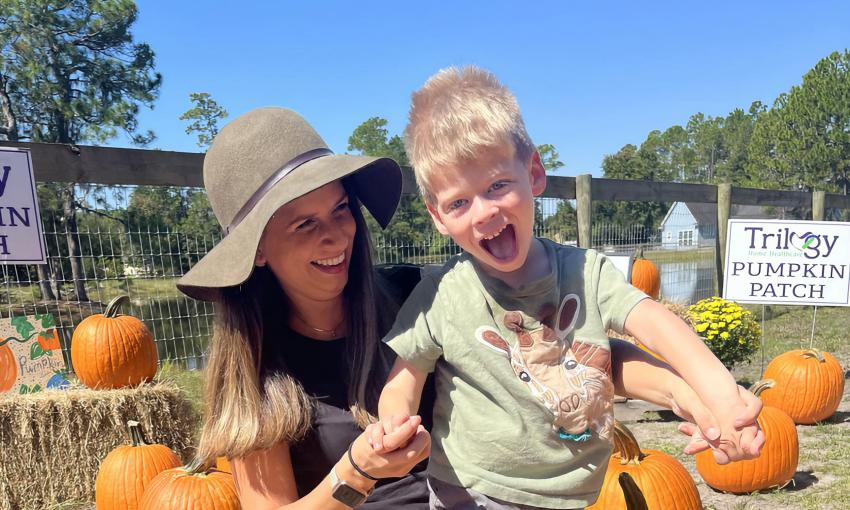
{"points": [[97, 289]]}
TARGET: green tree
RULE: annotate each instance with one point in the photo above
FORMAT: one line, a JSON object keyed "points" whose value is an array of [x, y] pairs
{"points": [[411, 228], [637, 164], [204, 116], [803, 142], [70, 72]]}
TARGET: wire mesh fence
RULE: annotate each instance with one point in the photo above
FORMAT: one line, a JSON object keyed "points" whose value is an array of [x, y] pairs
{"points": [[139, 240]]}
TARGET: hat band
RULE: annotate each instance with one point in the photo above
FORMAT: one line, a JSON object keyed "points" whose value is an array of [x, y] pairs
{"points": [[291, 165]]}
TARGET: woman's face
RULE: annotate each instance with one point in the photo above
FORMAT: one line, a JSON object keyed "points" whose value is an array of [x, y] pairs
{"points": [[308, 242]]}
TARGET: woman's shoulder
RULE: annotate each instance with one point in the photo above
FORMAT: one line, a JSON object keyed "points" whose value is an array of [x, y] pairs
{"points": [[398, 280]]}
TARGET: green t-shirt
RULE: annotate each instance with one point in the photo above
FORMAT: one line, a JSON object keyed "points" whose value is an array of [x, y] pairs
{"points": [[524, 398]]}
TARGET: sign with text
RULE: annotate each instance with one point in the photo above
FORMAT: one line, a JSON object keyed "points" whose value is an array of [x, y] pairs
{"points": [[30, 354], [788, 262], [21, 239]]}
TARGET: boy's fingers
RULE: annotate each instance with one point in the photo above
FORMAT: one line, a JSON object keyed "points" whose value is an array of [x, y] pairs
{"points": [[751, 411], [399, 437]]}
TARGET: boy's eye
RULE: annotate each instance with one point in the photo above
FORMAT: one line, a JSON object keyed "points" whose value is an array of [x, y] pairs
{"points": [[456, 204], [498, 185]]}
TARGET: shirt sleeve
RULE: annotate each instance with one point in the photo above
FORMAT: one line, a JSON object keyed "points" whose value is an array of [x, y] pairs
{"points": [[614, 296], [411, 336]]}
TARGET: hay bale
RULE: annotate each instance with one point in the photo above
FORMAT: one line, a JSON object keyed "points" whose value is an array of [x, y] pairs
{"points": [[680, 309], [52, 443]]}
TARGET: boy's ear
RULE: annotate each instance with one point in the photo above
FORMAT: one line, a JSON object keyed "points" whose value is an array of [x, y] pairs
{"points": [[438, 222], [537, 174]]}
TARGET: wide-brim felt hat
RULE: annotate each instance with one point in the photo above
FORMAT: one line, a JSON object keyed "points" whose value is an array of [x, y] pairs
{"points": [[261, 161]]}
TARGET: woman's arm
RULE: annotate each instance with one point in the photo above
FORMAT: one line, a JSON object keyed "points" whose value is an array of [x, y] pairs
{"points": [[265, 479]]}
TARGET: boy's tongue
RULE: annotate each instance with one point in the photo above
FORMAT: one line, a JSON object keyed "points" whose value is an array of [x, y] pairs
{"points": [[503, 246]]}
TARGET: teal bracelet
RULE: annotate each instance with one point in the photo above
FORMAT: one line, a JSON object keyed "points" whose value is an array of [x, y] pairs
{"points": [[356, 467]]}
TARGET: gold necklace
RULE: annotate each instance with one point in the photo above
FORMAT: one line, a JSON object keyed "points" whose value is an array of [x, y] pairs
{"points": [[329, 332]]}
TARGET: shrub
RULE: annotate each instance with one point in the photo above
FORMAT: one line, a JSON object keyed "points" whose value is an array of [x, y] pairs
{"points": [[730, 331]]}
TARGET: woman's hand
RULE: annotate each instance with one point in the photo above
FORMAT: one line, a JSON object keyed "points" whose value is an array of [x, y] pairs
{"points": [[406, 444]]}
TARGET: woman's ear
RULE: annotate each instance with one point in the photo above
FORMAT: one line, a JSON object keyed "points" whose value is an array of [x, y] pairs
{"points": [[259, 258]]}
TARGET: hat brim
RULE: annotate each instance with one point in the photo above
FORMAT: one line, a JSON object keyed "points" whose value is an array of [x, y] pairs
{"points": [[377, 183]]}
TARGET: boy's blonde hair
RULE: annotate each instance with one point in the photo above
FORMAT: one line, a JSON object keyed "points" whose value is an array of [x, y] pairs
{"points": [[457, 113]]}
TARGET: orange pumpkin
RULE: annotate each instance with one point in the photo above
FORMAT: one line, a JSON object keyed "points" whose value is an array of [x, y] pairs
{"points": [[806, 383], [127, 470], [645, 276], [190, 487], [8, 368], [664, 482], [50, 343], [223, 465], [113, 351], [773, 468]]}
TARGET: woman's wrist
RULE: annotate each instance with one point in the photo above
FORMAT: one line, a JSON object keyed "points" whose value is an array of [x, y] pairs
{"points": [[347, 472]]}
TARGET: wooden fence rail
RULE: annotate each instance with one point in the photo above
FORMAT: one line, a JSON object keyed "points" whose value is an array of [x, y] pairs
{"points": [[117, 166]]}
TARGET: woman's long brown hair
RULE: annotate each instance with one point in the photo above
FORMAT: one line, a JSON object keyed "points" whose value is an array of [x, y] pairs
{"points": [[251, 407]]}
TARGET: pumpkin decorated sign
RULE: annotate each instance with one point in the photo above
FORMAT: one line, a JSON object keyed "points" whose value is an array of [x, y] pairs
{"points": [[112, 350], [30, 355]]}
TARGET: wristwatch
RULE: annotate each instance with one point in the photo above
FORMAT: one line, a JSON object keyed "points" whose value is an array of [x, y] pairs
{"points": [[346, 494]]}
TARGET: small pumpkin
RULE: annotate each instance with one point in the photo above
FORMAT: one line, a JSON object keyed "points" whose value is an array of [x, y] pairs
{"points": [[113, 350], [8, 368], [128, 469], [776, 465], [662, 480], [190, 487], [645, 275], [223, 465], [805, 383]]}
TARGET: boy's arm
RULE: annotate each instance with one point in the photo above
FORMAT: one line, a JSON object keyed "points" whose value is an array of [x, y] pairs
{"points": [[639, 375], [664, 333], [399, 398]]}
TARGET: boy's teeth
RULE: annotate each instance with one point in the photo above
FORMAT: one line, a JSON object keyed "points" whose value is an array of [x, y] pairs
{"points": [[491, 236], [332, 261]]}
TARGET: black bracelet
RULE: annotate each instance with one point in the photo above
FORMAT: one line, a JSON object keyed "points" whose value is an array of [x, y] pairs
{"points": [[356, 467]]}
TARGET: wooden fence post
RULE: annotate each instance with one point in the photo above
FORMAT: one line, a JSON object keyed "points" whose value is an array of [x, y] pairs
{"points": [[584, 210], [724, 209], [818, 205]]}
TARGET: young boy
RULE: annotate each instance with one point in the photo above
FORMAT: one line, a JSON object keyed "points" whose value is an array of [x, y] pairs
{"points": [[515, 327]]}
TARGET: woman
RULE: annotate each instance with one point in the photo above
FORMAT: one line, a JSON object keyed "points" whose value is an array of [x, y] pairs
{"points": [[296, 365]]}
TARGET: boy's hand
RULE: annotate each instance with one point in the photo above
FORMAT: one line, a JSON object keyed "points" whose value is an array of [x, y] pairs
{"points": [[392, 433], [736, 437]]}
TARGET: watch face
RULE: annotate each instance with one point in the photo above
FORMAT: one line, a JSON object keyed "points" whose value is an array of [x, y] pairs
{"points": [[348, 496]]}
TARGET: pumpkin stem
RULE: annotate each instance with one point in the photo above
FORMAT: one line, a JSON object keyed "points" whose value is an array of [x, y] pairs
{"points": [[760, 386], [626, 445], [631, 492], [814, 353], [198, 466], [137, 435], [114, 305]]}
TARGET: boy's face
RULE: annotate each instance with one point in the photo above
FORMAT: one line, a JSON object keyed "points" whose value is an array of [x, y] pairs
{"points": [[487, 207]]}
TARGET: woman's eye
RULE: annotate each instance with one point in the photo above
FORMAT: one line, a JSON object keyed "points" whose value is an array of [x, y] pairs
{"points": [[306, 224], [341, 207]]}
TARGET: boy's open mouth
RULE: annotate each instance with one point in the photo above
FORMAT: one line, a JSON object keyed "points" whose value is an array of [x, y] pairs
{"points": [[502, 245]]}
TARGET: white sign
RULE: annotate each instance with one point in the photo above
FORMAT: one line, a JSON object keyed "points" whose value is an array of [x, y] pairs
{"points": [[21, 239], [788, 262]]}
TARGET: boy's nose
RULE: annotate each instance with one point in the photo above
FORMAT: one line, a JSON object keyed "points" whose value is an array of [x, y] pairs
{"points": [[484, 211]]}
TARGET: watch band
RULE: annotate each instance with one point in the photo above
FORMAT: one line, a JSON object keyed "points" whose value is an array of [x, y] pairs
{"points": [[345, 493]]}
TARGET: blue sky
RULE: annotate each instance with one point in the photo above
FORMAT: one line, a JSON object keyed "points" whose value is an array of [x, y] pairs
{"points": [[589, 77]]}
